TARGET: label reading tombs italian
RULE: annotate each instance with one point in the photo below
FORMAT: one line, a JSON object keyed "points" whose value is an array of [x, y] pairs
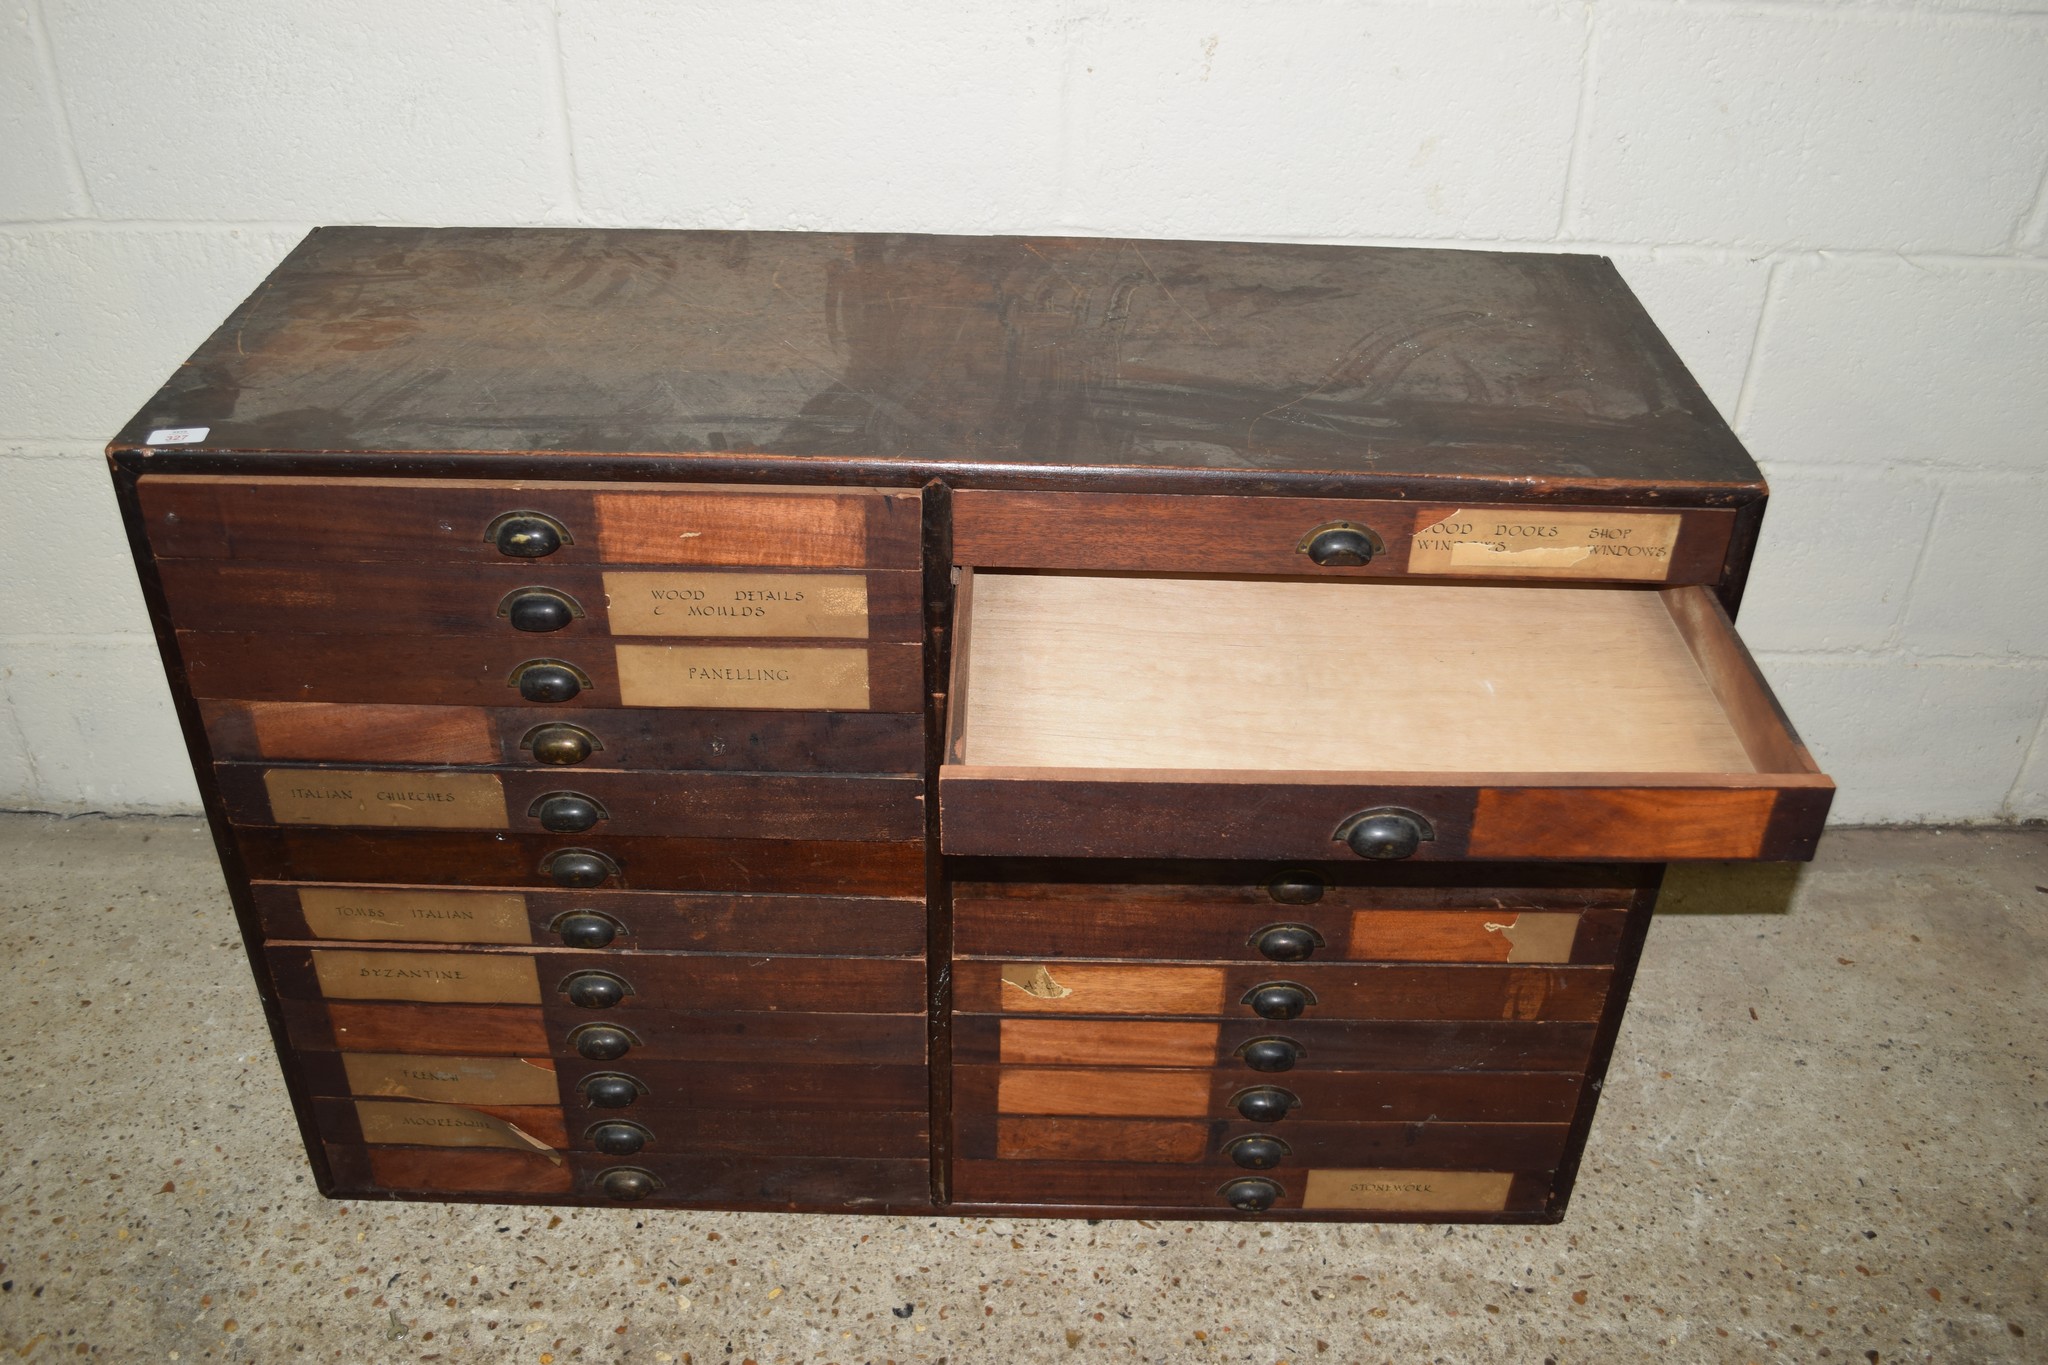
{"points": [[789, 605], [447, 978], [745, 678], [414, 916], [1537, 543], [411, 800]]}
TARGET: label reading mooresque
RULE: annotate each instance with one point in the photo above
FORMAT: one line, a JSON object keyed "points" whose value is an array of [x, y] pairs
{"points": [[1538, 543], [410, 800], [795, 606], [413, 1124], [415, 916], [745, 678]]}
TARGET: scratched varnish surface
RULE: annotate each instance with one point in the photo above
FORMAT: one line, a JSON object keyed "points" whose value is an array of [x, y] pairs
{"points": [[949, 352], [1068, 671]]}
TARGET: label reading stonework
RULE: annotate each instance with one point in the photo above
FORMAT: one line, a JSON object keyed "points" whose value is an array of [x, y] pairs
{"points": [[1538, 543], [1409, 1191], [452, 1080], [752, 679], [411, 800], [447, 978], [401, 1122], [820, 606], [415, 916]]}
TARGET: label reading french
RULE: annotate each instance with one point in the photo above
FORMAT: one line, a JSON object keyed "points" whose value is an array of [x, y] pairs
{"points": [[792, 606], [1536, 542]]}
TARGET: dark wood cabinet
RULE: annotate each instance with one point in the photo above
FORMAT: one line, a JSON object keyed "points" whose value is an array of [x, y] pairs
{"points": [[801, 721]]}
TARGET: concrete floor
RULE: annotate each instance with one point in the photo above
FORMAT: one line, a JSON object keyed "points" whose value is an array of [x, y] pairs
{"points": [[1822, 1140]]}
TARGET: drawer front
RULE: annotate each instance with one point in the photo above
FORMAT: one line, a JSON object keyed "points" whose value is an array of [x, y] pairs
{"points": [[564, 979], [868, 927], [1320, 1096], [1249, 925], [661, 1086], [1179, 534], [1428, 1195], [758, 1183], [1287, 1147], [1303, 990], [713, 805], [544, 601], [1319, 1044], [472, 671], [622, 738], [766, 1133], [458, 522], [518, 861], [568, 1033]]}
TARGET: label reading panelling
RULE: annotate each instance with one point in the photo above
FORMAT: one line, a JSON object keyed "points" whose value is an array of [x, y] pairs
{"points": [[415, 916], [1409, 1191], [412, 800], [448, 978], [754, 679], [1538, 543], [790, 605], [452, 1080], [442, 1125]]}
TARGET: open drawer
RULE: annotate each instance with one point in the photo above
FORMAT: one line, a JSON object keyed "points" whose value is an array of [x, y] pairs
{"points": [[1183, 717]]}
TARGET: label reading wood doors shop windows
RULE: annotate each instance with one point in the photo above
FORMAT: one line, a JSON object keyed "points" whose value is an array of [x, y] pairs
{"points": [[408, 800], [415, 916], [1534, 543], [754, 679], [802, 606]]}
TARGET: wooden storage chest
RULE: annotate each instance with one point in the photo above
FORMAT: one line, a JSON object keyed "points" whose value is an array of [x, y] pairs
{"points": [[783, 721]]}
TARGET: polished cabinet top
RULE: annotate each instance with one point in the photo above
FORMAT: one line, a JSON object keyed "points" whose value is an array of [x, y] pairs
{"points": [[994, 360]]}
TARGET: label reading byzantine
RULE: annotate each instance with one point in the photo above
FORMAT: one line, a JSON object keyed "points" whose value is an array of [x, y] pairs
{"points": [[411, 800], [415, 916], [1540, 543], [753, 679], [452, 1080], [411, 1124], [1409, 1191], [790, 605], [448, 978]]}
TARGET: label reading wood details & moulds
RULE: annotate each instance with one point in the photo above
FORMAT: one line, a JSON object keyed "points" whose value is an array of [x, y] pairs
{"points": [[409, 800], [411, 1124], [742, 678], [452, 1080], [800, 606], [1409, 1191], [1535, 543], [415, 916], [445, 978]]}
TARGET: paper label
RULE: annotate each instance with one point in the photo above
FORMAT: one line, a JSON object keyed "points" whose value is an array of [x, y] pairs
{"points": [[751, 679], [177, 436], [446, 978], [415, 916], [410, 1124], [1533, 542], [452, 1080], [409, 800], [802, 606], [1409, 1191]]}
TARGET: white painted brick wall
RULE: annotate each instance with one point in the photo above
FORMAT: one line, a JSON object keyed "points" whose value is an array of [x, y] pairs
{"points": [[1837, 213]]}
